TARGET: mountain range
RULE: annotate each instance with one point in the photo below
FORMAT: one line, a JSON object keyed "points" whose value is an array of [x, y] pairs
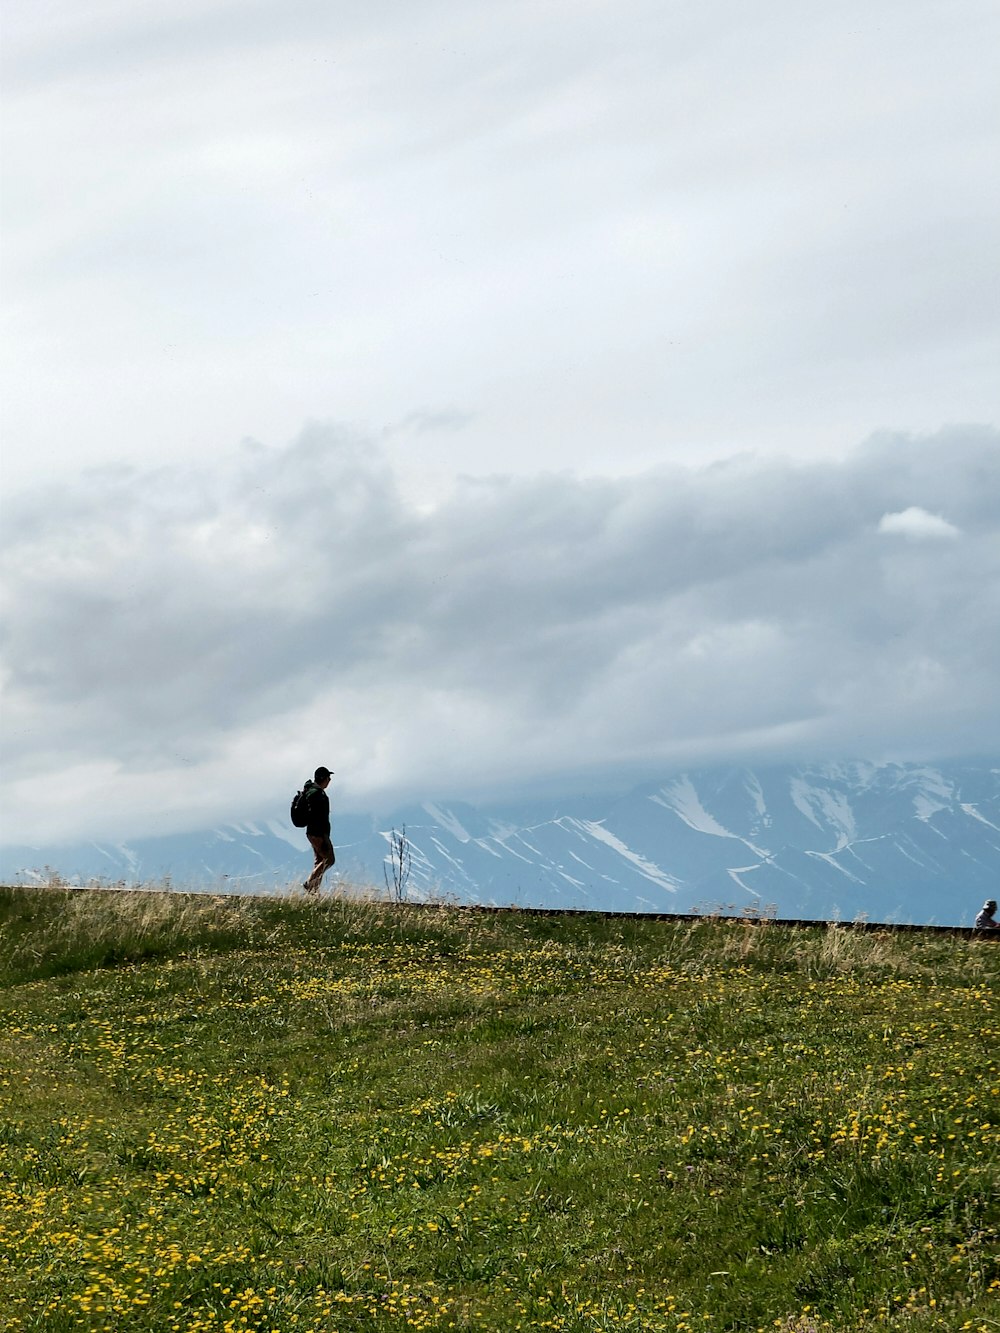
{"points": [[890, 842]]}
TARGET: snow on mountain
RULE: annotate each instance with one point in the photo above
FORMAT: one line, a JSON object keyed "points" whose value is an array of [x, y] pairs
{"points": [[887, 841], [645, 868], [822, 806], [681, 797]]}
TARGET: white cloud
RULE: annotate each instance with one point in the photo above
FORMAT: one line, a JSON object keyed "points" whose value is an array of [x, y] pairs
{"points": [[181, 645], [606, 235], [918, 524]]}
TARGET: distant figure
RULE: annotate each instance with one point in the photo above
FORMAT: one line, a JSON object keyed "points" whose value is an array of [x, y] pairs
{"points": [[986, 918], [318, 827]]}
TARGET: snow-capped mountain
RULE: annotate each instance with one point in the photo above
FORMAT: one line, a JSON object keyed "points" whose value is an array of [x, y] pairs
{"points": [[898, 842]]}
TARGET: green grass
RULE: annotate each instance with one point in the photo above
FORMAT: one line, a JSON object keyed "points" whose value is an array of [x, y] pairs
{"points": [[246, 1114]]}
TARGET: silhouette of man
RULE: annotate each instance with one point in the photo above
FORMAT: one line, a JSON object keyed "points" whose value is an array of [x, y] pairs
{"points": [[318, 827]]}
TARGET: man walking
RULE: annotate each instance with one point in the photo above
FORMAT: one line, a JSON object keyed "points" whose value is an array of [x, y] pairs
{"points": [[318, 827]]}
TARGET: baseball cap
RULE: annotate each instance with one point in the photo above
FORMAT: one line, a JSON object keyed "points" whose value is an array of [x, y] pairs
{"points": [[322, 774]]}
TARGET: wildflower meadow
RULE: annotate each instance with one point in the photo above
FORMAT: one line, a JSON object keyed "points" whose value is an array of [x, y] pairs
{"points": [[239, 1115]]}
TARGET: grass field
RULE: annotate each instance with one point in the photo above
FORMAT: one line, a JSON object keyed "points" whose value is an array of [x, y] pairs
{"points": [[239, 1114]]}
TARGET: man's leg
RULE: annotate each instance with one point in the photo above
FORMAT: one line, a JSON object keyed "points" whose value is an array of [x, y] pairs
{"points": [[323, 849]]}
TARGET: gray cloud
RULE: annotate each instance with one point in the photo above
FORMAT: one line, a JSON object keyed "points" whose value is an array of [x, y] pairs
{"points": [[185, 641]]}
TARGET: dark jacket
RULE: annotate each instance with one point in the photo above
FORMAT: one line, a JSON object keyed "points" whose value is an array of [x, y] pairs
{"points": [[318, 805]]}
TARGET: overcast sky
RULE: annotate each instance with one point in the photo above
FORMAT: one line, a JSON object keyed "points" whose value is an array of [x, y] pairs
{"points": [[474, 396], [186, 643]]}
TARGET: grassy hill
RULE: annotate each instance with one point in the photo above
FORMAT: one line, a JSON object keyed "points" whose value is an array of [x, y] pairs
{"points": [[239, 1114]]}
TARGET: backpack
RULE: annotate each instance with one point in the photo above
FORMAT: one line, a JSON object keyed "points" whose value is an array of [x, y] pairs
{"points": [[300, 809]]}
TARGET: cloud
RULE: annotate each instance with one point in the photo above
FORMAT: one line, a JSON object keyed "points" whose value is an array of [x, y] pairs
{"points": [[605, 235], [181, 644], [918, 524]]}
